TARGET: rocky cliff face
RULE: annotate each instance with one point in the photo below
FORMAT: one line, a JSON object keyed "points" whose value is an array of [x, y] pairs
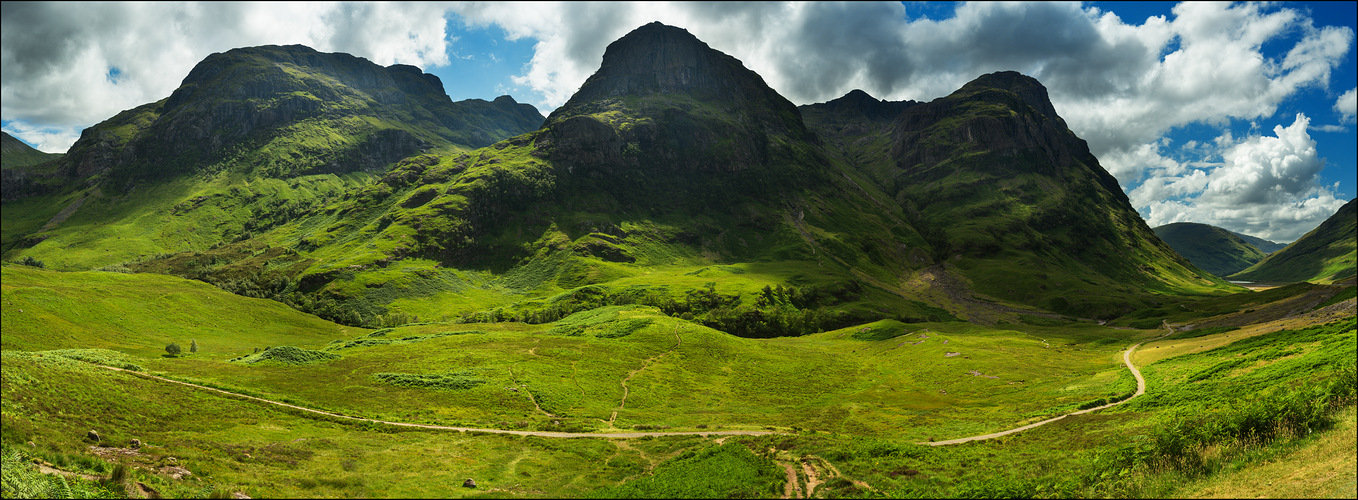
{"points": [[992, 176], [664, 100], [1003, 113]]}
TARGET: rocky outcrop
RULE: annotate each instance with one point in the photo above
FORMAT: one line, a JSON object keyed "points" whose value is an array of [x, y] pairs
{"points": [[673, 102]]}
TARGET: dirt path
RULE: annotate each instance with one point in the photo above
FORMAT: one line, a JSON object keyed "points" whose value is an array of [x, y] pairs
{"points": [[51, 470], [452, 428], [1126, 359], [515, 381], [790, 489], [625, 391]]}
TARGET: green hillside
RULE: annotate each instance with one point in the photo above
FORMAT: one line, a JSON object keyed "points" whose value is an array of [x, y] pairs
{"points": [[252, 138], [646, 198], [1211, 248], [140, 314], [1325, 255], [14, 153], [1003, 191], [677, 285], [857, 399]]}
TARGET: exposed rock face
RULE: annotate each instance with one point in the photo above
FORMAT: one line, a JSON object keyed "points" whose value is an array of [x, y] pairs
{"points": [[665, 112], [987, 125], [680, 101]]}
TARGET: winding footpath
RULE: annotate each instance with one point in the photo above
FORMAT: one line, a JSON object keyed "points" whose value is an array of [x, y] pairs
{"points": [[1126, 358], [452, 428]]}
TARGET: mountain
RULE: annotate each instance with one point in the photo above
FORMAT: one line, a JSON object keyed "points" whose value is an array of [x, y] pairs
{"points": [[1005, 192], [251, 138], [1265, 246], [675, 177], [667, 120], [286, 111], [857, 127], [14, 153], [1215, 250], [1325, 255], [673, 167]]}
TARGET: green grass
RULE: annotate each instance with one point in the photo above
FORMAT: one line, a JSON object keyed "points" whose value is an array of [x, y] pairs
{"points": [[232, 445], [139, 314], [727, 471]]}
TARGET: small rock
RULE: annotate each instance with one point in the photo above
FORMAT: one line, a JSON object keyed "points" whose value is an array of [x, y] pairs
{"points": [[32, 444], [171, 460], [147, 491], [239, 495], [469, 483], [92, 436], [136, 443]]}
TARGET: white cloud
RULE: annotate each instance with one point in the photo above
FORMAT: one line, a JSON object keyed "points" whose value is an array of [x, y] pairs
{"points": [[1265, 186], [1347, 105], [56, 139], [55, 57]]}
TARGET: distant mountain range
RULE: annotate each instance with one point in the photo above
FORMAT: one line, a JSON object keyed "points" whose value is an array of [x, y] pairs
{"points": [[674, 177], [1215, 250]]}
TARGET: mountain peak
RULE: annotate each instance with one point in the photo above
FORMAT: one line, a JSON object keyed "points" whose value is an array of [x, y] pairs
{"points": [[859, 103], [661, 59], [1025, 87], [669, 94]]}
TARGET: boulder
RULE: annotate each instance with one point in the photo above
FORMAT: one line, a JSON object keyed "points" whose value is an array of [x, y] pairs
{"points": [[469, 483], [136, 443], [92, 436]]}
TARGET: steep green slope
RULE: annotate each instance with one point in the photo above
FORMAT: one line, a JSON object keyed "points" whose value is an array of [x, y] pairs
{"points": [[648, 195], [255, 135], [1325, 255], [1211, 248], [14, 153], [1001, 189]]}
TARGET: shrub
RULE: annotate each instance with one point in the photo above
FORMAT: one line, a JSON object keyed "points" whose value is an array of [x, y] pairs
{"points": [[193, 346], [451, 381], [289, 355]]}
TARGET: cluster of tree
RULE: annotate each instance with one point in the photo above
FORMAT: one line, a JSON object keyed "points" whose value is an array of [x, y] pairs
{"points": [[776, 311], [174, 350]]}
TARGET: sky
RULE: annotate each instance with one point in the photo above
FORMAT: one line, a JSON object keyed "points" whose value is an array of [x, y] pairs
{"points": [[1239, 115]]}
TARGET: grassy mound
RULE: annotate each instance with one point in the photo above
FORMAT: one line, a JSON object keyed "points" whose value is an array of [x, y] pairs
{"points": [[288, 355]]}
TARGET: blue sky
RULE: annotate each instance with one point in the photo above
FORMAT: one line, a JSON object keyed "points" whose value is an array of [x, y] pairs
{"points": [[1237, 115]]}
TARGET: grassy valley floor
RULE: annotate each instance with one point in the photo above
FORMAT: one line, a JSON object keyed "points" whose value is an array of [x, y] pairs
{"points": [[847, 405]]}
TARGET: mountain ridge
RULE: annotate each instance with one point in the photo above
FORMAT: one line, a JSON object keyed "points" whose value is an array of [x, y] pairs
{"points": [[1326, 254], [1216, 250], [672, 154]]}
